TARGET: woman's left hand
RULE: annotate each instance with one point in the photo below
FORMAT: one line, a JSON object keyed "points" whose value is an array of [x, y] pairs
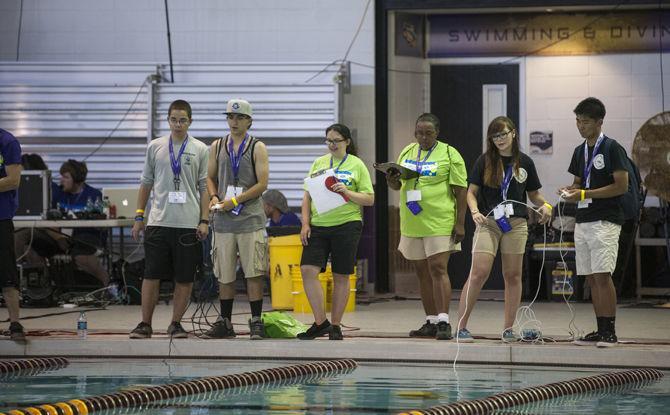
{"points": [[545, 214], [340, 187]]}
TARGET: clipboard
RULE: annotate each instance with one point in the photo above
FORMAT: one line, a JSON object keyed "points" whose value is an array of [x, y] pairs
{"points": [[405, 173]]}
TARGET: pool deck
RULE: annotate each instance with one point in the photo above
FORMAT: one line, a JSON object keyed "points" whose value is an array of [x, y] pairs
{"points": [[374, 332]]}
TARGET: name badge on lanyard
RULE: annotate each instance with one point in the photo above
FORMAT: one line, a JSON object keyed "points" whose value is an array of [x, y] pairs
{"points": [[588, 166], [508, 208], [235, 160], [176, 196]]}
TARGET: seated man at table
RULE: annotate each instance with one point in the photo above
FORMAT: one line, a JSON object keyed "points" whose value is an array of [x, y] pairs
{"points": [[277, 211], [73, 195]]}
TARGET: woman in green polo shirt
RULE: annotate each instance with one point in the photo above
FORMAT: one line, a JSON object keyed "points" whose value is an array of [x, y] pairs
{"points": [[334, 233], [432, 218]]}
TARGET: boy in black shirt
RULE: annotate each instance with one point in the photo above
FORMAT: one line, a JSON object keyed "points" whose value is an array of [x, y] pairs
{"points": [[600, 178]]}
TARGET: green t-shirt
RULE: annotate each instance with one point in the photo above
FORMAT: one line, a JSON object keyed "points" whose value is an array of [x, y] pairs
{"points": [[442, 169], [355, 176]]}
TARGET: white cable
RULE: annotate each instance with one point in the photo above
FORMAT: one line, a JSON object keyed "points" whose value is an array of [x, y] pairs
{"points": [[30, 244]]}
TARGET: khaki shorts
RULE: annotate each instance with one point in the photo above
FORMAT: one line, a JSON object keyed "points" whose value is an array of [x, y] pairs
{"points": [[596, 247], [252, 248], [489, 237], [416, 249]]}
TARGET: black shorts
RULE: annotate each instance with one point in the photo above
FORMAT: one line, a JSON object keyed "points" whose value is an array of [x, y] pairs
{"points": [[8, 276], [339, 242], [171, 253]]}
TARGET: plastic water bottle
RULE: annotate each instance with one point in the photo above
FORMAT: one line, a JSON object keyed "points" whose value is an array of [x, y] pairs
{"points": [[82, 326], [89, 205]]}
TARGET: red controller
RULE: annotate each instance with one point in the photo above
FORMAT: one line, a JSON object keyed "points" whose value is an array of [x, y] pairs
{"points": [[332, 181]]}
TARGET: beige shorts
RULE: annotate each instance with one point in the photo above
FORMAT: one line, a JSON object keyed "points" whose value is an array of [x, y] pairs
{"points": [[416, 249], [489, 237], [252, 248], [596, 247]]}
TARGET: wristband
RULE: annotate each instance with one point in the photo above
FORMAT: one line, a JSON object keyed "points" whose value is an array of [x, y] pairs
{"points": [[474, 212], [205, 221], [583, 194], [139, 218], [548, 206], [234, 200], [139, 211]]}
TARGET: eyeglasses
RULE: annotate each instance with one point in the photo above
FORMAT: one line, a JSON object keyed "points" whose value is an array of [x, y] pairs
{"points": [[182, 121], [333, 142], [500, 136]]}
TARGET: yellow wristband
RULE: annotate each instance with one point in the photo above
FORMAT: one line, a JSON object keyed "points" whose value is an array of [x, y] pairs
{"points": [[234, 200], [583, 194], [548, 205], [139, 211]]}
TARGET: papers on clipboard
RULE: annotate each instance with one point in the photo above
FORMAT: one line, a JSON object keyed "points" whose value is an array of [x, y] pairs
{"points": [[324, 199], [405, 173]]}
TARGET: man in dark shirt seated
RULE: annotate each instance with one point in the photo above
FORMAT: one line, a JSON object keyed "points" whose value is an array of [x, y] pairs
{"points": [[73, 195], [277, 211]]}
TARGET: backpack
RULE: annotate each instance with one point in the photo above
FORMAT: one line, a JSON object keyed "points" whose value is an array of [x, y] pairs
{"points": [[633, 200]]}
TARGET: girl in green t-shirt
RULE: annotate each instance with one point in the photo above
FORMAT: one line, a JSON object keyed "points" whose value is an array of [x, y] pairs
{"points": [[334, 233]]}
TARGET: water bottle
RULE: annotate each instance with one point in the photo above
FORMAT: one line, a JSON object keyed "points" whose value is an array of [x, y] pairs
{"points": [[89, 205], [82, 326], [98, 207], [105, 206]]}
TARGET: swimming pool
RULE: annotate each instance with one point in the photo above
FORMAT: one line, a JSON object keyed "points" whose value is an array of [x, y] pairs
{"points": [[372, 388]]}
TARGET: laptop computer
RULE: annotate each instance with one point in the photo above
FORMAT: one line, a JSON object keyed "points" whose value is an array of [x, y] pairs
{"points": [[125, 199]]}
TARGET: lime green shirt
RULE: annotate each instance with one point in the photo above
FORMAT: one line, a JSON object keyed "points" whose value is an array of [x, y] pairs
{"points": [[355, 175], [441, 170]]}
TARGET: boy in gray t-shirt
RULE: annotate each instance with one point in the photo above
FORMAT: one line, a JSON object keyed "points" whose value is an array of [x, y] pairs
{"points": [[176, 171]]}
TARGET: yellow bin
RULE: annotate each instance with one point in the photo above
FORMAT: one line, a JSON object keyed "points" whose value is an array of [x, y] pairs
{"points": [[300, 300], [351, 302], [285, 253]]}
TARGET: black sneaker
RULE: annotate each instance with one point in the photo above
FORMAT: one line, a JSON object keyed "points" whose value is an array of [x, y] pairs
{"points": [[142, 331], [443, 331], [256, 328], [335, 333], [176, 331], [316, 331], [16, 332], [222, 329], [590, 339], [607, 340], [427, 330]]}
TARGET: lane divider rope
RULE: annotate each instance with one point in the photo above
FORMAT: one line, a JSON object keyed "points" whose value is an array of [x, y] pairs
{"points": [[28, 365]]}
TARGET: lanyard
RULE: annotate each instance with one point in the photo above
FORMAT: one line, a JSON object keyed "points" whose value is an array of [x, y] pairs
{"points": [[588, 165], [175, 163], [236, 158], [337, 169], [419, 165], [507, 179]]}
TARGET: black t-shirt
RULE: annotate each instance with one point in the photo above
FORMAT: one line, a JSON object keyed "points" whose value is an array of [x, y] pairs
{"points": [[525, 181], [604, 165]]}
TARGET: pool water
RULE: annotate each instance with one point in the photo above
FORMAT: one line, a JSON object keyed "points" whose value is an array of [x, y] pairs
{"points": [[372, 388]]}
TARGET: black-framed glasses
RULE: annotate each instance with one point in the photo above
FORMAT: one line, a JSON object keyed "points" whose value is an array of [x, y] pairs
{"points": [[178, 121], [333, 142], [500, 136]]}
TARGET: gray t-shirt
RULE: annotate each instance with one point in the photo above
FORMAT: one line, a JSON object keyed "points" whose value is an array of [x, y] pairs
{"points": [[158, 174]]}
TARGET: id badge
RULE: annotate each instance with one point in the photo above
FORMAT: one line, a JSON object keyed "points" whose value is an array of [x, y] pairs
{"points": [[509, 210], [414, 195], [233, 191], [583, 204], [414, 207], [498, 212], [177, 197]]}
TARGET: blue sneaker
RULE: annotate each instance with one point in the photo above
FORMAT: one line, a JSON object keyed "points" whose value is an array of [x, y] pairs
{"points": [[464, 336], [508, 336]]}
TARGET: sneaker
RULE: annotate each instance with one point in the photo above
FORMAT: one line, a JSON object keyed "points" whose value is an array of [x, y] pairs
{"points": [[222, 329], [336, 333], [508, 336], [316, 331], [176, 331], [142, 331], [427, 330], [607, 340], [443, 331], [256, 328], [590, 339], [16, 332], [464, 336]]}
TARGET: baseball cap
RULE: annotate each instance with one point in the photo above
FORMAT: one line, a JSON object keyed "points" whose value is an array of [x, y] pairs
{"points": [[275, 198], [238, 106]]}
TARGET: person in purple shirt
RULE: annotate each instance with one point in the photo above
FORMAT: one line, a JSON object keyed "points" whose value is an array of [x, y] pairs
{"points": [[277, 211], [10, 177]]}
